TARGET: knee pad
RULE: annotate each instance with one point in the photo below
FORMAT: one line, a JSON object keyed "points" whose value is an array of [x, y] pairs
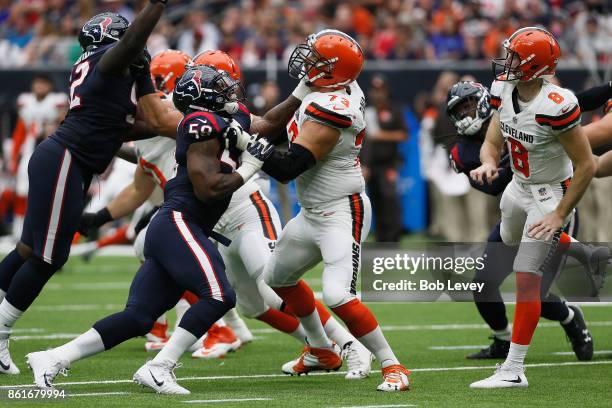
{"points": [[335, 295]]}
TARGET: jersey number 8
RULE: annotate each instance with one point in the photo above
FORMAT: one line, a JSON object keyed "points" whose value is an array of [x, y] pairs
{"points": [[520, 157]]}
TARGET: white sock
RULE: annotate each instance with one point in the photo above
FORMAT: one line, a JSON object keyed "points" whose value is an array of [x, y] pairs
{"points": [[505, 334], [314, 330], [516, 356], [162, 319], [87, 344], [570, 316], [233, 320], [8, 316], [178, 343], [337, 332], [377, 344], [220, 322], [299, 334], [181, 307]]}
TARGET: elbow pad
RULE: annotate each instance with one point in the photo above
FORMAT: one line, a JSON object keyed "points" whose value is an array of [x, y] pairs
{"points": [[285, 167]]}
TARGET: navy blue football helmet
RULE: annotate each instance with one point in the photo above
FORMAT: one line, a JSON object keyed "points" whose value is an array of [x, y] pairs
{"points": [[204, 88], [468, 106], [102, 29]]}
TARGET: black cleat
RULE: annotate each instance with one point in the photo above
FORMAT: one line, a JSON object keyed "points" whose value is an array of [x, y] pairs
{"points": [[596, 267], [498, 349], [578, 334]]}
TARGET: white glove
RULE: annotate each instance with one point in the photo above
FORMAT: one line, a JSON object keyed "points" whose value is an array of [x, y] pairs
{"points": [[236, 136], [301, 90], [249, 165]]}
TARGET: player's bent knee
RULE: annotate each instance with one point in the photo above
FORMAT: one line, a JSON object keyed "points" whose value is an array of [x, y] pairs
{"points": [[23, 250], [249, 309], [336, 295], [143, 320]]}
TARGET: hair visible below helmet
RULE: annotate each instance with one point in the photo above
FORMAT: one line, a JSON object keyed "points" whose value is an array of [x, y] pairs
{"points": [[462, 93], [102, 29], [220, 60], [531, 53], [328, 59], [204, 88], [166, 67]]}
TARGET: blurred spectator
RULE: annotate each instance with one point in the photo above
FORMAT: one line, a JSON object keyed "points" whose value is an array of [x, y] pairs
{"points": [[381, 158], [200, 34]]}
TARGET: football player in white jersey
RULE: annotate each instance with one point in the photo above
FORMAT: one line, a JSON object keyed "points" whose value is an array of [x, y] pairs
{"points": [[325, 138], [540, 124], [39, 113]]}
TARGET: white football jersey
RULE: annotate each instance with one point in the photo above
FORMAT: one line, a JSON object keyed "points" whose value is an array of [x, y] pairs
{"points": [[338, 174], [537, 157], [42, 112], [156, 159]]}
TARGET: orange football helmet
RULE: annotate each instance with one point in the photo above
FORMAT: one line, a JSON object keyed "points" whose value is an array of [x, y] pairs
{"points": [[219, 60], [328, 59], [166, 67], [531, 52]]}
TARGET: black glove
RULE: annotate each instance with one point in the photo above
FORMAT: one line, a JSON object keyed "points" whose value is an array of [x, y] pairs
{"points": [[90, 222], [141, 64], [261, 149], [236, 137]]}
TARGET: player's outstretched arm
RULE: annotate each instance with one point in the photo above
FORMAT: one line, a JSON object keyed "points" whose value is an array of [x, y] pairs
{"points": [[490, 153], [593, 98], [599, 133], [117, 59], [577, 147], [604, 165], [313, 143], [204, 171], [160, 116]]}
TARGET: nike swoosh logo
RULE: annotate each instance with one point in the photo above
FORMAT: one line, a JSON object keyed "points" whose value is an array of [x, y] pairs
{"points": [[5, 366], [517, 381], [47, 383], [158, 383]]}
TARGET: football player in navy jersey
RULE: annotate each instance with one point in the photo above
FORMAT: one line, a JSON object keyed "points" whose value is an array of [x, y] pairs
{"points": [[106, 84], [179, 254]]}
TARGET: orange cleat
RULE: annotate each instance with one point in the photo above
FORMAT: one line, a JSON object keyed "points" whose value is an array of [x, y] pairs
{"points": [[157, 337], [314, 359], [395, 379], [219, 341]]}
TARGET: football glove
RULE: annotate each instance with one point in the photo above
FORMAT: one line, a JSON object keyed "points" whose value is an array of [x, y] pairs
{"points": [[261, 149], [252, 159], [91, 222], [236, 137], [301, 90]]}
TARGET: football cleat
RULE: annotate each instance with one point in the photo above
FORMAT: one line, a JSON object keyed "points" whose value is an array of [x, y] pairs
{"points": [[596, 267], [579, 336], [358, 360], [46, 366], [219, 341], [6, 364], [498, 349], [159, 376], [157, 337], [395, 379], [503, 378], [314, 359]]}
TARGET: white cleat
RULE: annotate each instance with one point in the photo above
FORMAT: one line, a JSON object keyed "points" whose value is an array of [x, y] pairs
{"points": [[45, 366], [503, 378], [6, 364], [395, 379], [159, 376], [358, 360]]}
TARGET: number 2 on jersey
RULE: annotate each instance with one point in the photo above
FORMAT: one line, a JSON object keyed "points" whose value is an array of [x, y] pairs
{"points": [[520, 157], [80, 73]]}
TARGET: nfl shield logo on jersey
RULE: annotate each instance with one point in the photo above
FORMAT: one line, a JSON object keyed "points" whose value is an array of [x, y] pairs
{"points": [[542, 191]]}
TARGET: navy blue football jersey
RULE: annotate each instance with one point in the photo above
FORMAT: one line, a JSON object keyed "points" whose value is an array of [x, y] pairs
{"points": [[102, 108], [179, 194], [465, 157]]}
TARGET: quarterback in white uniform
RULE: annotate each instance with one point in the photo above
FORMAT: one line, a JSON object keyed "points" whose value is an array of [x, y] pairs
{"points": [[325, 137], [40, 112], [540, 124]]}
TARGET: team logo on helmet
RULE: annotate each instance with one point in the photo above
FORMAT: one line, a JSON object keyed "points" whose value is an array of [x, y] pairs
{"points": [[189, 84], [97, 32]]}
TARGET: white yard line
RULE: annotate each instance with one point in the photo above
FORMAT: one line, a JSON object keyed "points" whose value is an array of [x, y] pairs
{"points": [[258, 376], [77, 308], [571, 353], [97, 394], [52, 336], [380, 406], [474, 347], [88, 286], [226, 400]]}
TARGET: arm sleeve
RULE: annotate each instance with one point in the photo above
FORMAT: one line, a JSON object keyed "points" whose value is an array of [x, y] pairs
{"points": [[566, 118], [286, 166], [496, 91], [593, 98]]}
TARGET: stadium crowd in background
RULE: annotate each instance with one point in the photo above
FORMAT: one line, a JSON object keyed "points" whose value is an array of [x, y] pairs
{"points": [[38, 32]]}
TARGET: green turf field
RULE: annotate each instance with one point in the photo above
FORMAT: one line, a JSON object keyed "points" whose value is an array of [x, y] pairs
{"points": [[419, 332]]}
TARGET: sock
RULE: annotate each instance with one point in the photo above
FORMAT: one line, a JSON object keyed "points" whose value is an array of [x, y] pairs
{"points": [[178, 343], [301, 300], [87, 344], [363, 325], [505, 334], [162, 320], [220, 322], [284, 322], [8, 267], [516, 356], [569, 318], [553, 308], [180, 308], [8, 316], [528, 307], [337, 332]]}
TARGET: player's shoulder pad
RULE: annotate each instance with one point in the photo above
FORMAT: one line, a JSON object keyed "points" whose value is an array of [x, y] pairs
{"points": [[329, 108], [559, 110], [202, 126], [497, 87], [243, 117]]}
